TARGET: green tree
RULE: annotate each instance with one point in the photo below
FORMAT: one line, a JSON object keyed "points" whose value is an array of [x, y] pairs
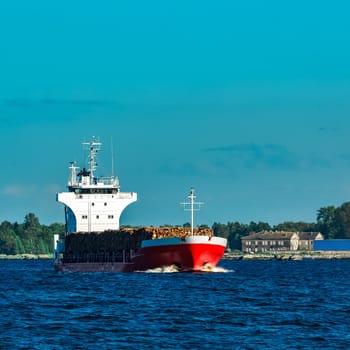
{"points": [[233, 231], [220, 230], [295, 226], [326, 222], [203, 226], [42, 247], [29, 237], [31, 232], [8, 242], [342, 221]]}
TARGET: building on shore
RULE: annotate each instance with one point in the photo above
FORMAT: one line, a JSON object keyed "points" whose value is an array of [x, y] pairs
{"points": [[275, 241], [307, 240]]}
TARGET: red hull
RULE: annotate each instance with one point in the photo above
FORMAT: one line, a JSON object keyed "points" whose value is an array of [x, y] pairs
{"points": [[186, 257], [193, 253]]}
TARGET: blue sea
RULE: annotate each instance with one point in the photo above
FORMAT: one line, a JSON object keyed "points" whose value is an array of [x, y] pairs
{"points": [[245, 305]]}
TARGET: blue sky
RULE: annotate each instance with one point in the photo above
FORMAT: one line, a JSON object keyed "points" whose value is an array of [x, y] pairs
{"points": [[248, 102]]}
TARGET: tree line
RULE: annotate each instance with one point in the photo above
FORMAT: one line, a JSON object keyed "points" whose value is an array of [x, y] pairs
{"points": [[31, 237], [333, 222]]}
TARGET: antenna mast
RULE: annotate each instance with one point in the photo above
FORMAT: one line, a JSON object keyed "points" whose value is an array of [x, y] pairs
{"points": [[73, 175], [192, 207], [112, 152], [94, 146]]}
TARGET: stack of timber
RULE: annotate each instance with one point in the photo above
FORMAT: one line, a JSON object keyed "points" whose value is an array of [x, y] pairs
{"points": [[124, 239]]}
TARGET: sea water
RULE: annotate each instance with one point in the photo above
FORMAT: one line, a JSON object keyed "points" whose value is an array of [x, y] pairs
{"points": [[244, 305]]}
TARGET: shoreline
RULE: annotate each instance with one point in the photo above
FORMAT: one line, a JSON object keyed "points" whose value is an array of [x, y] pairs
{"points": [[287, 255], [26, 256], [237, 255]]}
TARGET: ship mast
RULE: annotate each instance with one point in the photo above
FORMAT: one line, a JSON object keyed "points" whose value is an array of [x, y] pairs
{"points": [[94, 146], [73, 175], [192, 207]]}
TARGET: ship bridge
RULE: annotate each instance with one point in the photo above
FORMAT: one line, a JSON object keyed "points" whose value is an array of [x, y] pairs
{"points": [[93, 204]]}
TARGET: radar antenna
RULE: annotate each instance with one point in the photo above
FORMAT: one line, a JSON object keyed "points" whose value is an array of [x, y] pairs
{"points": [[93, 146]]}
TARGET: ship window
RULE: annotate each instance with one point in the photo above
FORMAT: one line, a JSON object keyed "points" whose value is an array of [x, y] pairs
{"points": [[97, 216], [92, 203], [105, 204], [110, 216], [84, 217]]}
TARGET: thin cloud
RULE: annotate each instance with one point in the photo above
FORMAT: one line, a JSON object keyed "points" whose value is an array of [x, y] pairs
{"points": [[254, 155], [329, 129], [185, 169], [54, 101], [18, 191], [6, 121], [25, 103], [345, 157], [232, 159], [53, 188], [16, 102]]}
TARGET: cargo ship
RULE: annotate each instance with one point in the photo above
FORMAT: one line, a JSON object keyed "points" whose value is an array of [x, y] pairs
{"points": [[94, 240]]}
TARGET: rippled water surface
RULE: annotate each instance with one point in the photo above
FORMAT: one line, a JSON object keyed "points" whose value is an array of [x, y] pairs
{"points": [[254, 305]]}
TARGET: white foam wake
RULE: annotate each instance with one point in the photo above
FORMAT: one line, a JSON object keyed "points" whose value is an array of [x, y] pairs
{"points": [[209, 268], [174, 268], [164, 269]]}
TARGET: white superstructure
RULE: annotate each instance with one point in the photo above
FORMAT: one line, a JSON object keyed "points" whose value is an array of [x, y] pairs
{"points": [[93, 204]]}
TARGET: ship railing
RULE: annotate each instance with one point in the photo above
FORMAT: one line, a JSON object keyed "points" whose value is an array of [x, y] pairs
{"points": [[97, 181], [106, 181], [125, 195], [123, 255]]}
